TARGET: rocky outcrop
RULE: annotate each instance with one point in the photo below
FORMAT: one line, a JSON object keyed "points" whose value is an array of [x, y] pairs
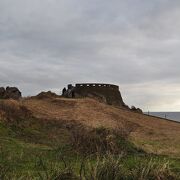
{"points": [[107, 93], [2, 91], [10, 93], [46, 95], [137, 110]]}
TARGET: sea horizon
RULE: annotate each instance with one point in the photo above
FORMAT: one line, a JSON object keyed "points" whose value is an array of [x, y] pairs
{"points": [[169, 115]]}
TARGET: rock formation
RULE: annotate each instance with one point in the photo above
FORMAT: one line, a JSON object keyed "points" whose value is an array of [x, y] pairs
{"points": [[138, 110], [2, 92], [107, 93], [10, 93], [46, 95]]}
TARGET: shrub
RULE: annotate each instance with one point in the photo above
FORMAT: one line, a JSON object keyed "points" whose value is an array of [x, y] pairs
{"points": [[90, 140], [100, 140]]}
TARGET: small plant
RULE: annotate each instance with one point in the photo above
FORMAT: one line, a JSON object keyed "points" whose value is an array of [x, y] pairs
{"points": [[100, 140]]}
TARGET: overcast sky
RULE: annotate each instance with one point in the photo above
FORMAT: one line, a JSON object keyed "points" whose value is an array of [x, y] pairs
{"points": [[47, 44]]}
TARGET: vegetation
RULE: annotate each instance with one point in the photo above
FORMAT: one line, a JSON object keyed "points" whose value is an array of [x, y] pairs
{"points": [[33, 148]]}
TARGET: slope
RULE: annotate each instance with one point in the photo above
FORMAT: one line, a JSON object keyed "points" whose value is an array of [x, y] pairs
{"points": [[152, 134]]}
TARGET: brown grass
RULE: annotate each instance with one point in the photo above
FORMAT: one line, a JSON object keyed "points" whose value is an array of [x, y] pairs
{"points": [[12, 109], [152, 134]]}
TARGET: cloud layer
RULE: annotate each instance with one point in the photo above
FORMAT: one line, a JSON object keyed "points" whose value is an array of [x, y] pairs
{"points": [[135, 44]]}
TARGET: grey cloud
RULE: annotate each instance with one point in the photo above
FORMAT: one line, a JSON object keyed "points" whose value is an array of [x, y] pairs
{"points": [[45, 45]]}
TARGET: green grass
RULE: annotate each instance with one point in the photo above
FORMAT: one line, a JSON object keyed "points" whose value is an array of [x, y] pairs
{"points": [[32, 149], [20, 148]]}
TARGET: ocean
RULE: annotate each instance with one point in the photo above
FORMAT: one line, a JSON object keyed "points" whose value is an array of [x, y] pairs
{"points": [[175, 116]]}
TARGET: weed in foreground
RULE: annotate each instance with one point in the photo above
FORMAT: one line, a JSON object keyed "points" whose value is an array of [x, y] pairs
{"points": [[154, 169], [103, 167], [110, 167]]}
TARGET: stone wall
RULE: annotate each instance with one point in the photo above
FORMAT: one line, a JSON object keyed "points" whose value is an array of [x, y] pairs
{"points": [[106, 92]]}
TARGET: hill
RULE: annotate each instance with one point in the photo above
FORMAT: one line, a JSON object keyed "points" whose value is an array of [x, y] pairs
{"points": [[44, 124], [151, 134]]}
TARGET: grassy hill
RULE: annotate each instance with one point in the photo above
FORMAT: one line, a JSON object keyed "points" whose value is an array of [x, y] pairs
{"points": [[49, 137], [152, 134]]}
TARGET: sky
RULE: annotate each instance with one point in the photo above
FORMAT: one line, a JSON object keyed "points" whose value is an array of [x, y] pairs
{"points": [[47, 44]]}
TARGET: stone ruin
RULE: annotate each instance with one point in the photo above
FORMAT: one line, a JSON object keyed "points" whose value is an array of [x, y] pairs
{"points": [[10, 93], [107, 93]]}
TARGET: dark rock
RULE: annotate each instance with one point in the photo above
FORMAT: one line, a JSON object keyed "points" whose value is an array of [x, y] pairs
{"points": [[64, 91], [107, 93], [12, 92], [70, 86], [133, 108], [2, 92], [138, 110], [46, 95], [125, 106]]}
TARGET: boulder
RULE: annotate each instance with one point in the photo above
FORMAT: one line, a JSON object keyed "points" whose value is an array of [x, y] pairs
{"points": [[12, 93], [47, 95], [138, 110], [2, 92]]}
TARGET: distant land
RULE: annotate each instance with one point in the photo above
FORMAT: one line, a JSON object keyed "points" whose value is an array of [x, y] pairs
{"points": [[175, 116]]}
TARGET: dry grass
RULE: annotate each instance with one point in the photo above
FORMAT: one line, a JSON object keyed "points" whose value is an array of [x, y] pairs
{"points": [[110, 167], [12, 109], [152, 134]]}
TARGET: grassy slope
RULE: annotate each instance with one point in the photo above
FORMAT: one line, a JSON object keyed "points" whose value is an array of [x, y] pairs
{"points": [[24, 141], [152, 134]]}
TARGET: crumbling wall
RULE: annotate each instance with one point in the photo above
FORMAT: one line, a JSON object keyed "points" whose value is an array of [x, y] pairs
{"points": [[106, 92]]}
